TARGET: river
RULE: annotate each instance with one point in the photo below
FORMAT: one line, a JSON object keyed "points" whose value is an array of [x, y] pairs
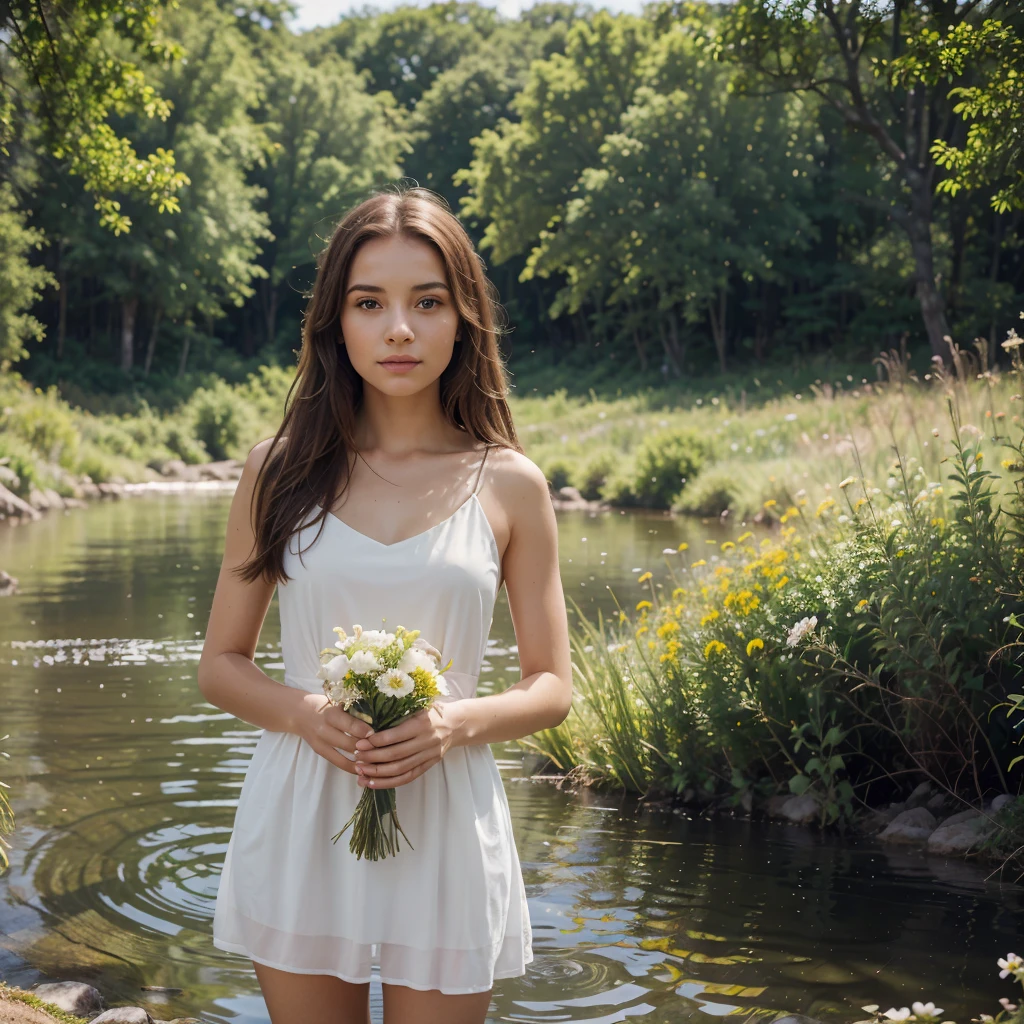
{"points": [[125, 782]]}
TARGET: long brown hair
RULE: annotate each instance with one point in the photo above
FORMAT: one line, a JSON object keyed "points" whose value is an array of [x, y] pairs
{"points": [[308, 463]]}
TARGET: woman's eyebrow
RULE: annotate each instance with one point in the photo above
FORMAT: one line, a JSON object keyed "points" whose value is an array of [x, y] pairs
{"points": [[429, 286]]}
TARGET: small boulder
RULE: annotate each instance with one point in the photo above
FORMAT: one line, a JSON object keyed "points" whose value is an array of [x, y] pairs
{"points": [[898, 806], [124, 1015], [921, 795], [910, 827], [1001, 801], [938, 803], [775, 804], [56, 500], [801, 810], [74, 997], [959, 834]]}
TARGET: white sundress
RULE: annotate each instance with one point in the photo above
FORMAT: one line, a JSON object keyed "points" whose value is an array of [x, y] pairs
{"points": [[451, 912]]}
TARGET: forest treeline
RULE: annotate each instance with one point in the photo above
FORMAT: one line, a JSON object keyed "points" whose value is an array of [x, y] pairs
{"points": [[698, 188]]}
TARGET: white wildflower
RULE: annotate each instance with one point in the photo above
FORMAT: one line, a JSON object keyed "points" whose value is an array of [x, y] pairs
{"points": [[415, 658], [377, 639], [422, 645], [442, 685], [1007, 1005], [339, 693], [796, 635], [395, 683], [335, 670], [364, 663], [1011, 965], [901, 1014], [926, 1010]]}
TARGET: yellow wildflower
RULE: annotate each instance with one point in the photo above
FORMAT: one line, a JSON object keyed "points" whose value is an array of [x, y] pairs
{"points": [[862, 603], [781, 583], [645, 577], [843, 484], [683, 546], [709, 617], [700, 561], [755, 644], [643, 604], [744, 536], [825, 506], [713, 647], [728, 545], [770, 502]]}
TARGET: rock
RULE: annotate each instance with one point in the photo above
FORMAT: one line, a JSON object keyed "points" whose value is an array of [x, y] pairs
{"points": [[570, 494], [898, 806], [801, 810], [910, 827], [1001, 801], [124, 1015], [8, 477], [873, 821], [12, 505], [921, 795], [56, 500], [938, 803], [73, 997], [959, 834], [8, 584], [794, 1018], [227, 469], [111, 489]]}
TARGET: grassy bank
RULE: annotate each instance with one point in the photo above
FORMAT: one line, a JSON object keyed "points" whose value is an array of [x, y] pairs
{"points": [[872, 640]]}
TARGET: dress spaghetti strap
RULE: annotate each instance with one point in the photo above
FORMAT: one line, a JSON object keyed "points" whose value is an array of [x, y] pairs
{"points": [[480, 471]]}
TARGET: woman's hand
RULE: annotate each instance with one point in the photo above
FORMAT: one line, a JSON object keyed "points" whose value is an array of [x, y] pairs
{"points": [[395, 756], [326, 727]]}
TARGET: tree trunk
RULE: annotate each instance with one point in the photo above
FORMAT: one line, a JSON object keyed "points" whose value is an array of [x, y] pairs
{"points": [[670, 343], [184, 354], [641, 351], [62, 309], [151, 346], [270, 304], [129, 308], [718, 325]]}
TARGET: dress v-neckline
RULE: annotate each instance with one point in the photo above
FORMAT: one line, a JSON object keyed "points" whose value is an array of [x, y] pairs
{"points": [[415, 536]]}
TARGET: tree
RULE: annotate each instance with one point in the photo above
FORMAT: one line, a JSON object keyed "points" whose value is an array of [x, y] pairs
{"points": [[843, 51], [60, 77], [993, 151]]}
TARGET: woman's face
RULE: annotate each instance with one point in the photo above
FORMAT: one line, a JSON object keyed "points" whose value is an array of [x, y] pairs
{"points": [[398, 319]]}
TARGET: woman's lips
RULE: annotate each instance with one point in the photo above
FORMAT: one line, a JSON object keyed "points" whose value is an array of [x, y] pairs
{"points": [[400, 366]]}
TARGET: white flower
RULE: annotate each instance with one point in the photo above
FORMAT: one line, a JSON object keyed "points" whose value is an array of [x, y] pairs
{"points": [[796, 634], [364, 663], [423, 645], [335, 670], [926, 1010], [1007, 1005], [416, 658], [377, 639], [442, 685], [1011, 965], [669, 551], [894, 1014], [395, 683]]}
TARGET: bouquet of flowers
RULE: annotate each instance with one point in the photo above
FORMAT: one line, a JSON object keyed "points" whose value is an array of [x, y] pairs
{"points": [[380, 678]]}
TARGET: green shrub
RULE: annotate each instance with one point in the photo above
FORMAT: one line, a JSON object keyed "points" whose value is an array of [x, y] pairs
{"points": [[664, 462], [19, 457], [223, 421], [715, 490], [45, 422], [590, 475], [557, 470]]}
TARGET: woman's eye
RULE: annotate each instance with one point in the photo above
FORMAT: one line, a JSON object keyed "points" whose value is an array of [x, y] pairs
{"points": [[433, 301], [361, 302]]}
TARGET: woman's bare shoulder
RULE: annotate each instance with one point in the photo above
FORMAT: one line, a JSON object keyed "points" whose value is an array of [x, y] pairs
{"points": [[519, 486]]}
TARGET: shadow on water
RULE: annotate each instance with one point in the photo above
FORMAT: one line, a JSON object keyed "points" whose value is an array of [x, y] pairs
{"points": [[125, 784]]}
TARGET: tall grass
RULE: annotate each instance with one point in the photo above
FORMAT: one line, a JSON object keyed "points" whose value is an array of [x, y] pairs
{"points": [[862, 645]]}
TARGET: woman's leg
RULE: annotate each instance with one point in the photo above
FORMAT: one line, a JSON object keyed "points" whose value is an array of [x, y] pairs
{"points": [[312, 998], [404, 1005]]}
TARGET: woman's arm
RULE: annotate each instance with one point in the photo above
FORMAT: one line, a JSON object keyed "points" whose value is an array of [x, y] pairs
{"points": [[543, 696], [227, 676]]}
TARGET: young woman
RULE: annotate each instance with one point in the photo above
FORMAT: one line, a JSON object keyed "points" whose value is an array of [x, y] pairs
{"points": [[394, 493]]}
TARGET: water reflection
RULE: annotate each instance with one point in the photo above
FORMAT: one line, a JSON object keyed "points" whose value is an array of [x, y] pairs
{"points": [[126, 783]]}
